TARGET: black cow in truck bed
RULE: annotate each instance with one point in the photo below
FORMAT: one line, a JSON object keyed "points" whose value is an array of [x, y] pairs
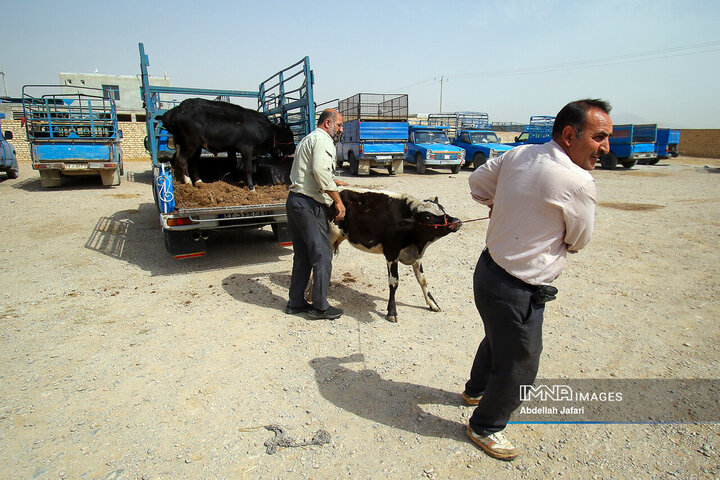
{"points": [[223, 127]]}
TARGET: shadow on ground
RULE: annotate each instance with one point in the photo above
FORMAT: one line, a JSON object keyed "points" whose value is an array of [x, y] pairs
{"points": [[135, 236], [395, 404]]}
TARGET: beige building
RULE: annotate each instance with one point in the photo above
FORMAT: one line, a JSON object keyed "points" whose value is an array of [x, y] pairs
{"points": [[125, 89]]}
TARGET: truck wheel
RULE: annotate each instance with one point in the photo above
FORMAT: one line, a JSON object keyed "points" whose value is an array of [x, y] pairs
{"points": [[396, 167], [629, 163], [478, 159], [455, 168], [110, 177], [339, 159], [50, 178], [420, 163], [12, 174], [354, 164], [653, 161], [609, 161]]}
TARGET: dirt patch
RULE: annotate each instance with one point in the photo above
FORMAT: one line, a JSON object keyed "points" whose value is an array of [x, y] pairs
{"points": [[631, 206], [224, 194]]}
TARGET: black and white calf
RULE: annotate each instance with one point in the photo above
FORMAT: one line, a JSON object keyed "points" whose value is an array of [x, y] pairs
{"points": [[395, 225]]}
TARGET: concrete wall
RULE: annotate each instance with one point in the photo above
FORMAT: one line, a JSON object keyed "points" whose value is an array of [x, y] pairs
{"points": [[704, 143]]}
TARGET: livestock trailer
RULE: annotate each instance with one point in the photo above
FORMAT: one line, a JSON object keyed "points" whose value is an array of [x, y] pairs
{"points": [[72, 131], [630, 143], [375, 132], [286, 95]]}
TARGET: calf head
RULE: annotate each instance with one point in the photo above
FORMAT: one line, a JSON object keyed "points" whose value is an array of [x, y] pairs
{"points": [[430, 221]]}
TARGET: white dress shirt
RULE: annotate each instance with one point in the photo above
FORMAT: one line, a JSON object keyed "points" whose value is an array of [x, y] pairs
{"points": [[543, 207]]}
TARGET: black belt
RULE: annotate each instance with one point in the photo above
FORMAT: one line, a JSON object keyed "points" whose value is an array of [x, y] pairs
{"points": [[498, 269], [541, 294]]}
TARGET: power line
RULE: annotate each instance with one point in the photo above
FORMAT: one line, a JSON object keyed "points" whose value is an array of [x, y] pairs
{"points": [[649, 55]]}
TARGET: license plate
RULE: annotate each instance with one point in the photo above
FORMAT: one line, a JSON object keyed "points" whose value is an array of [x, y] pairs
{"points": [[75, 166], [383, 157]]}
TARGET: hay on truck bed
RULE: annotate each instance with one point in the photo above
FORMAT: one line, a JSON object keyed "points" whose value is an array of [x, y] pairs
{"points": [[224, 194]]}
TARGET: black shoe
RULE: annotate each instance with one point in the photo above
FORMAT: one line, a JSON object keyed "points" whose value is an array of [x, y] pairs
{"points": [[330, 314], [295, 310]]}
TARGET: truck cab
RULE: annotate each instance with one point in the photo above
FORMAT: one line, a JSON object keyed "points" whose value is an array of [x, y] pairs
{"points": [[8, 159], [429, 146], [479, 146]]}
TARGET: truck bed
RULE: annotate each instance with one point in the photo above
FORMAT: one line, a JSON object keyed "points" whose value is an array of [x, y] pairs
{"points": [[220, 197]]}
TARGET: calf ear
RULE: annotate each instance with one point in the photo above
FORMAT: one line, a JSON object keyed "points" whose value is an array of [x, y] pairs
{"points": [[405, 224], [436, 200]]}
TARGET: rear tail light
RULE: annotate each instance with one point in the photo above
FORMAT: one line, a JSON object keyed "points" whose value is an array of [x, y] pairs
{"points": [[179, 221], [361, 149]]}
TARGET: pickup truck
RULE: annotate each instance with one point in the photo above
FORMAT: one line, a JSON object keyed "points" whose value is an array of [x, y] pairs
{"points": [[666, 144], [630, 143], [8, 159], [471, 132], [72, 131], [429, 146], [287, 94], [375, 132], [538, 131]]}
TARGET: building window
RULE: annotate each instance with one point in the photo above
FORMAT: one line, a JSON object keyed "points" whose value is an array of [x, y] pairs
{"points": [[111, 91]]}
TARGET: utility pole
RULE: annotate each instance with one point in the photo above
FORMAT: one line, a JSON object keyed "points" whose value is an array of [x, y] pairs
{"points": [[4, 83], [442, 78]]}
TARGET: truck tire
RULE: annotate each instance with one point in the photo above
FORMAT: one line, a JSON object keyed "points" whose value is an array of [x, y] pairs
{"points": [[338, 160], [420, 163], [653, 161], [50, 178], [111, 178], [12, 174], [354, 164], [396, 168], [478, 159], [455, 169], [629, 163], [609, 161]]}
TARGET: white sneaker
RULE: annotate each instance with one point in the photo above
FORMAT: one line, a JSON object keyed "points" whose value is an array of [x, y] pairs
{"points": [[495, 445]]}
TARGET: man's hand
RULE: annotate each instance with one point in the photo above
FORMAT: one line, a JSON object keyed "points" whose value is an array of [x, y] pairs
{"points": [[340, 183], [340, 207]]}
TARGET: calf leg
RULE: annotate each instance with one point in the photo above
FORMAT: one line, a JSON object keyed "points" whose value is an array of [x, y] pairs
{"points": [[420, 275], [393, 280]]}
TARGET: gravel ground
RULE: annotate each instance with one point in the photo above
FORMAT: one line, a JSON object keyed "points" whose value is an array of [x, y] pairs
{"points": [[121, 363]]}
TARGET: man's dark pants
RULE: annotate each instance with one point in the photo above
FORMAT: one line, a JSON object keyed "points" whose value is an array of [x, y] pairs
{"points": [[311, 245], [509, 355]]}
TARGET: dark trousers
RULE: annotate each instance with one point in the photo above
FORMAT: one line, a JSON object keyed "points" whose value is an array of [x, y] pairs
{"points": [[509, 355], [312, 250]]}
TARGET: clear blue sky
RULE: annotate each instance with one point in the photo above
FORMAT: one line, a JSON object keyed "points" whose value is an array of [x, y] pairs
{"points": [[656, 61]]}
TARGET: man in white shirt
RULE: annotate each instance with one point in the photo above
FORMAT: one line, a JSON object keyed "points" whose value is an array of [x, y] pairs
{"points": [[313, 189], [542, 204]]}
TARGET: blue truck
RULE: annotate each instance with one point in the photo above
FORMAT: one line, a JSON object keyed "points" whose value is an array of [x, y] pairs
{"points": [[538, 131], [8, 159], [472, 132], [375, 132], [72, 131], [429, 146], [666, 144], [630, 143], [286, 95]]}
